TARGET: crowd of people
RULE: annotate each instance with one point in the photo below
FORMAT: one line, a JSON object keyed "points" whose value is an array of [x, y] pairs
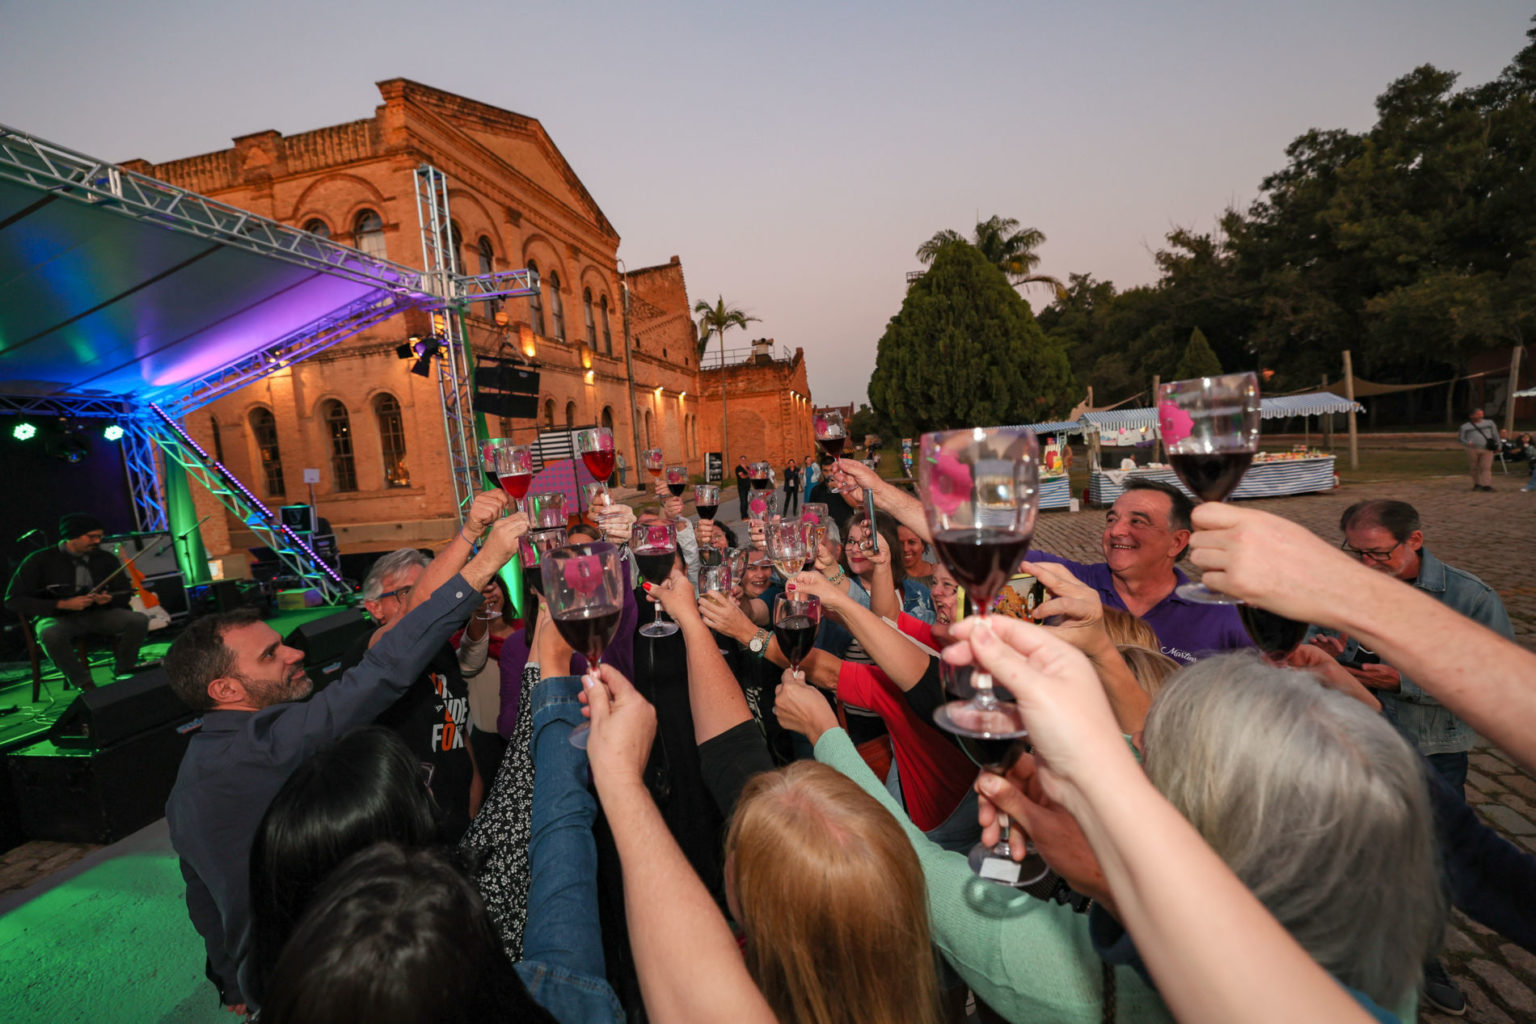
{"points": [[1229, 835]]}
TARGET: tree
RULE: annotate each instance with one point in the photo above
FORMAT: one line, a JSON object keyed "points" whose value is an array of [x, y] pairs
{"points": [[863, 424], [965, 350], [1198, 360], [715, 321], [1005, 246]]}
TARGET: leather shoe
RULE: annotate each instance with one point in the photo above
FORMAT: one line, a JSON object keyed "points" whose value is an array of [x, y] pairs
{"points": [[1441, 992]]}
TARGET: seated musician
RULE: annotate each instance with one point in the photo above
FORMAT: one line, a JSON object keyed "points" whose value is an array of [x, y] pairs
{"points": [[74, 590]]}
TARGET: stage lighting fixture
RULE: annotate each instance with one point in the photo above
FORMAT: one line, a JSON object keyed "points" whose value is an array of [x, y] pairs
{"points": [[425, 349], [113, 433], [70, 447], [23, 431]]}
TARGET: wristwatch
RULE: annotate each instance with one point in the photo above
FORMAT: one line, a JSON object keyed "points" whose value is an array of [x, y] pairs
{"points": [[759, 642]]}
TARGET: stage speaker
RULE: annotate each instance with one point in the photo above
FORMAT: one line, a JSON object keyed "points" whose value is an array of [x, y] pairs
{"points": [[299, 518], [106, 715], [325, 641], [171, 589], [95, 796]]}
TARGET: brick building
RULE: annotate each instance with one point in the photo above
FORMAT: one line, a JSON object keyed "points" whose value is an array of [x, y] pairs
{"points": [[613, 348], [769, 403]]}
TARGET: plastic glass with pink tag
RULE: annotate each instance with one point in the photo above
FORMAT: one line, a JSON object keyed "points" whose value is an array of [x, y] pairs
{"points": [[584, 587]]}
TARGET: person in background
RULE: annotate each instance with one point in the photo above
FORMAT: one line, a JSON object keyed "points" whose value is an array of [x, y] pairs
{"points": [[66, 590], [914, 555], [1480, 437], [743, 484], [479, 648], [1528, 449], [810, 476], [620, 467], [791, 488]]}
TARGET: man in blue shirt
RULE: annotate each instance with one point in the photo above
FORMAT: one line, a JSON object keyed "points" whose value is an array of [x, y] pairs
{"points": [[1145, 535]]}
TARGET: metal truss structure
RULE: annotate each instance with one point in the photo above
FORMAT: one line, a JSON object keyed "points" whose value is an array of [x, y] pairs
{"points": [[290, 548], [150, 419]]}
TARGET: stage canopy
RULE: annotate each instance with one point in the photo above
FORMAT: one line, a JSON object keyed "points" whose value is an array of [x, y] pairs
{"points": [[116, 286]]}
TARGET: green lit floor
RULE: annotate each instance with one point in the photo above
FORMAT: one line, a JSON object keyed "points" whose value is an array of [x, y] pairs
{"points": [[106, 939]]}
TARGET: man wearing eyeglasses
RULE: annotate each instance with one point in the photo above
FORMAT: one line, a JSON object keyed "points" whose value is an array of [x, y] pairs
{"points": [[1388, 537]]}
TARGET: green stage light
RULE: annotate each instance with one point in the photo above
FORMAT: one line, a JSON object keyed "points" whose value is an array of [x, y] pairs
{"points": [[23, 431], [113, 433]]}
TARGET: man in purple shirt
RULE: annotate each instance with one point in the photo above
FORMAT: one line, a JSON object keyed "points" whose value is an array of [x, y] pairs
{"points": [[1145, 535]]}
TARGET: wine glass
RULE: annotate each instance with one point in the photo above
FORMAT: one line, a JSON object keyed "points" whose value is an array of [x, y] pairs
{"points": [[595, 446], [584, 587], [795, 622], [1210, 426], [787, 546], [762, 505], [677, 480], [980, 494], [831, 437], [706, 498], [511, 464], [654, 546], [758, 472], [533, 548], [653, 460], [995, 755], [715, 579], [546, 510]]}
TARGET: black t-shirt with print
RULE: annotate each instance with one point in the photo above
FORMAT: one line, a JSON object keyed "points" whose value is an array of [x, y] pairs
{"points": [[432, 717]]}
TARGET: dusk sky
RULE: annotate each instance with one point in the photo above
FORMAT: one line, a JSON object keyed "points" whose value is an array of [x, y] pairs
{"points": [[794, 155]]}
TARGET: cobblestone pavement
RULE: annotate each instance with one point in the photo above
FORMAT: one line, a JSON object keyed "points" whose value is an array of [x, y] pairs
{"points": [[1493, 536]]}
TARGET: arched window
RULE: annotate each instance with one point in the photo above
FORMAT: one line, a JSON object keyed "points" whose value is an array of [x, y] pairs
{"points": [[570, 415], [602, 305], [487, 257], [607, 417], [264, 430], [452, 245], [549, 414], [338, 427], [586, 309], [386, 409], [218, 442], [368, 233], [536, 313], [318, 227], [556, 308]]}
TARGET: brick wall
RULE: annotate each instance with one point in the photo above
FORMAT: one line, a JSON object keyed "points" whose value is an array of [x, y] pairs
{"points": [[769, 404]]}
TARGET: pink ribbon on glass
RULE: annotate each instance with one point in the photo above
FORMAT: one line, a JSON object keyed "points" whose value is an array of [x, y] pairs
{"points": [[1175, 423], [950, 483], [584, 574]]}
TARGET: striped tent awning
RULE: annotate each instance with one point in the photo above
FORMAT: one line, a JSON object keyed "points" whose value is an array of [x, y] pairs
{"points": [[1121, 419], [1315, 403], [1527, 393], [1057, 427]]}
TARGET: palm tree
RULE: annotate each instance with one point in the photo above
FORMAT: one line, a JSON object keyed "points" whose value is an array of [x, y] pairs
{"points": [[716, 320], [1005, 246]]}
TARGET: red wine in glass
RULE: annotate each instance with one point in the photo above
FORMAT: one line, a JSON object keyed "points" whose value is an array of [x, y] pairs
{"points": [[515, 484], [797, 635], [1275, 635], [981, 559], [588, 629], [1211, 476], [677, 489], [655, 563], [599, 463], [832, 446], [707, 511]]}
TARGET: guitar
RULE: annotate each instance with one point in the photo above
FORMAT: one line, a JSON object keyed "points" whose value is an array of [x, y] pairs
{"points": [[144, 600]]}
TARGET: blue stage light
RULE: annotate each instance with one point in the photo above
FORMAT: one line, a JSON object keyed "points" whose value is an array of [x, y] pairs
{"points": [[23, 431], [113, 433]]}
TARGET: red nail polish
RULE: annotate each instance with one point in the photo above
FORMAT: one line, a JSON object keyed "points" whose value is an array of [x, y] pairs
{"points": [[647, 587]]}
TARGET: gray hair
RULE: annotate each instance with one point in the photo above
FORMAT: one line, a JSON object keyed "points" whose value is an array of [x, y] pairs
{"points": [[389, 565], [1317, 804]]}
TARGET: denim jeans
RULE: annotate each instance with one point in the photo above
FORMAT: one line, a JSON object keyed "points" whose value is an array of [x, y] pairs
{"points": [[562, 943]]}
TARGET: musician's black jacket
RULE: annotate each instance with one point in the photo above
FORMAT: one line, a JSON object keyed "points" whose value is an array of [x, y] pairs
{"points": [[47, 576]]}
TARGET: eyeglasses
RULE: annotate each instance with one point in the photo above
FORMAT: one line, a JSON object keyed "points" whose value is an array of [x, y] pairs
{"points": [[1370, 556], [399, 593]]}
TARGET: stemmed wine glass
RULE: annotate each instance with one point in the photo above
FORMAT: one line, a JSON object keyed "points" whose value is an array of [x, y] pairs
{"points": [[831, 436], [595, 446], [1210, 426], [584, 587], [511, 464], [653, 461], [677, 480], [787, 546], [980, 494], [795, 623], [654, 546], [533, 548], [758, 473], [715, 579], [706, 499], [995, 755], [546, 510]]}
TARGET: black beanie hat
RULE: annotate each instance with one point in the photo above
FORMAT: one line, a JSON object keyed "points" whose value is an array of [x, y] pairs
{"points": [[73, 524]]}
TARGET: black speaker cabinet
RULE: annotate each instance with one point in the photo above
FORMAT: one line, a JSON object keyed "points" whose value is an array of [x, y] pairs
{"points": [[325, 641], [107, 714], [95, 796]]}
